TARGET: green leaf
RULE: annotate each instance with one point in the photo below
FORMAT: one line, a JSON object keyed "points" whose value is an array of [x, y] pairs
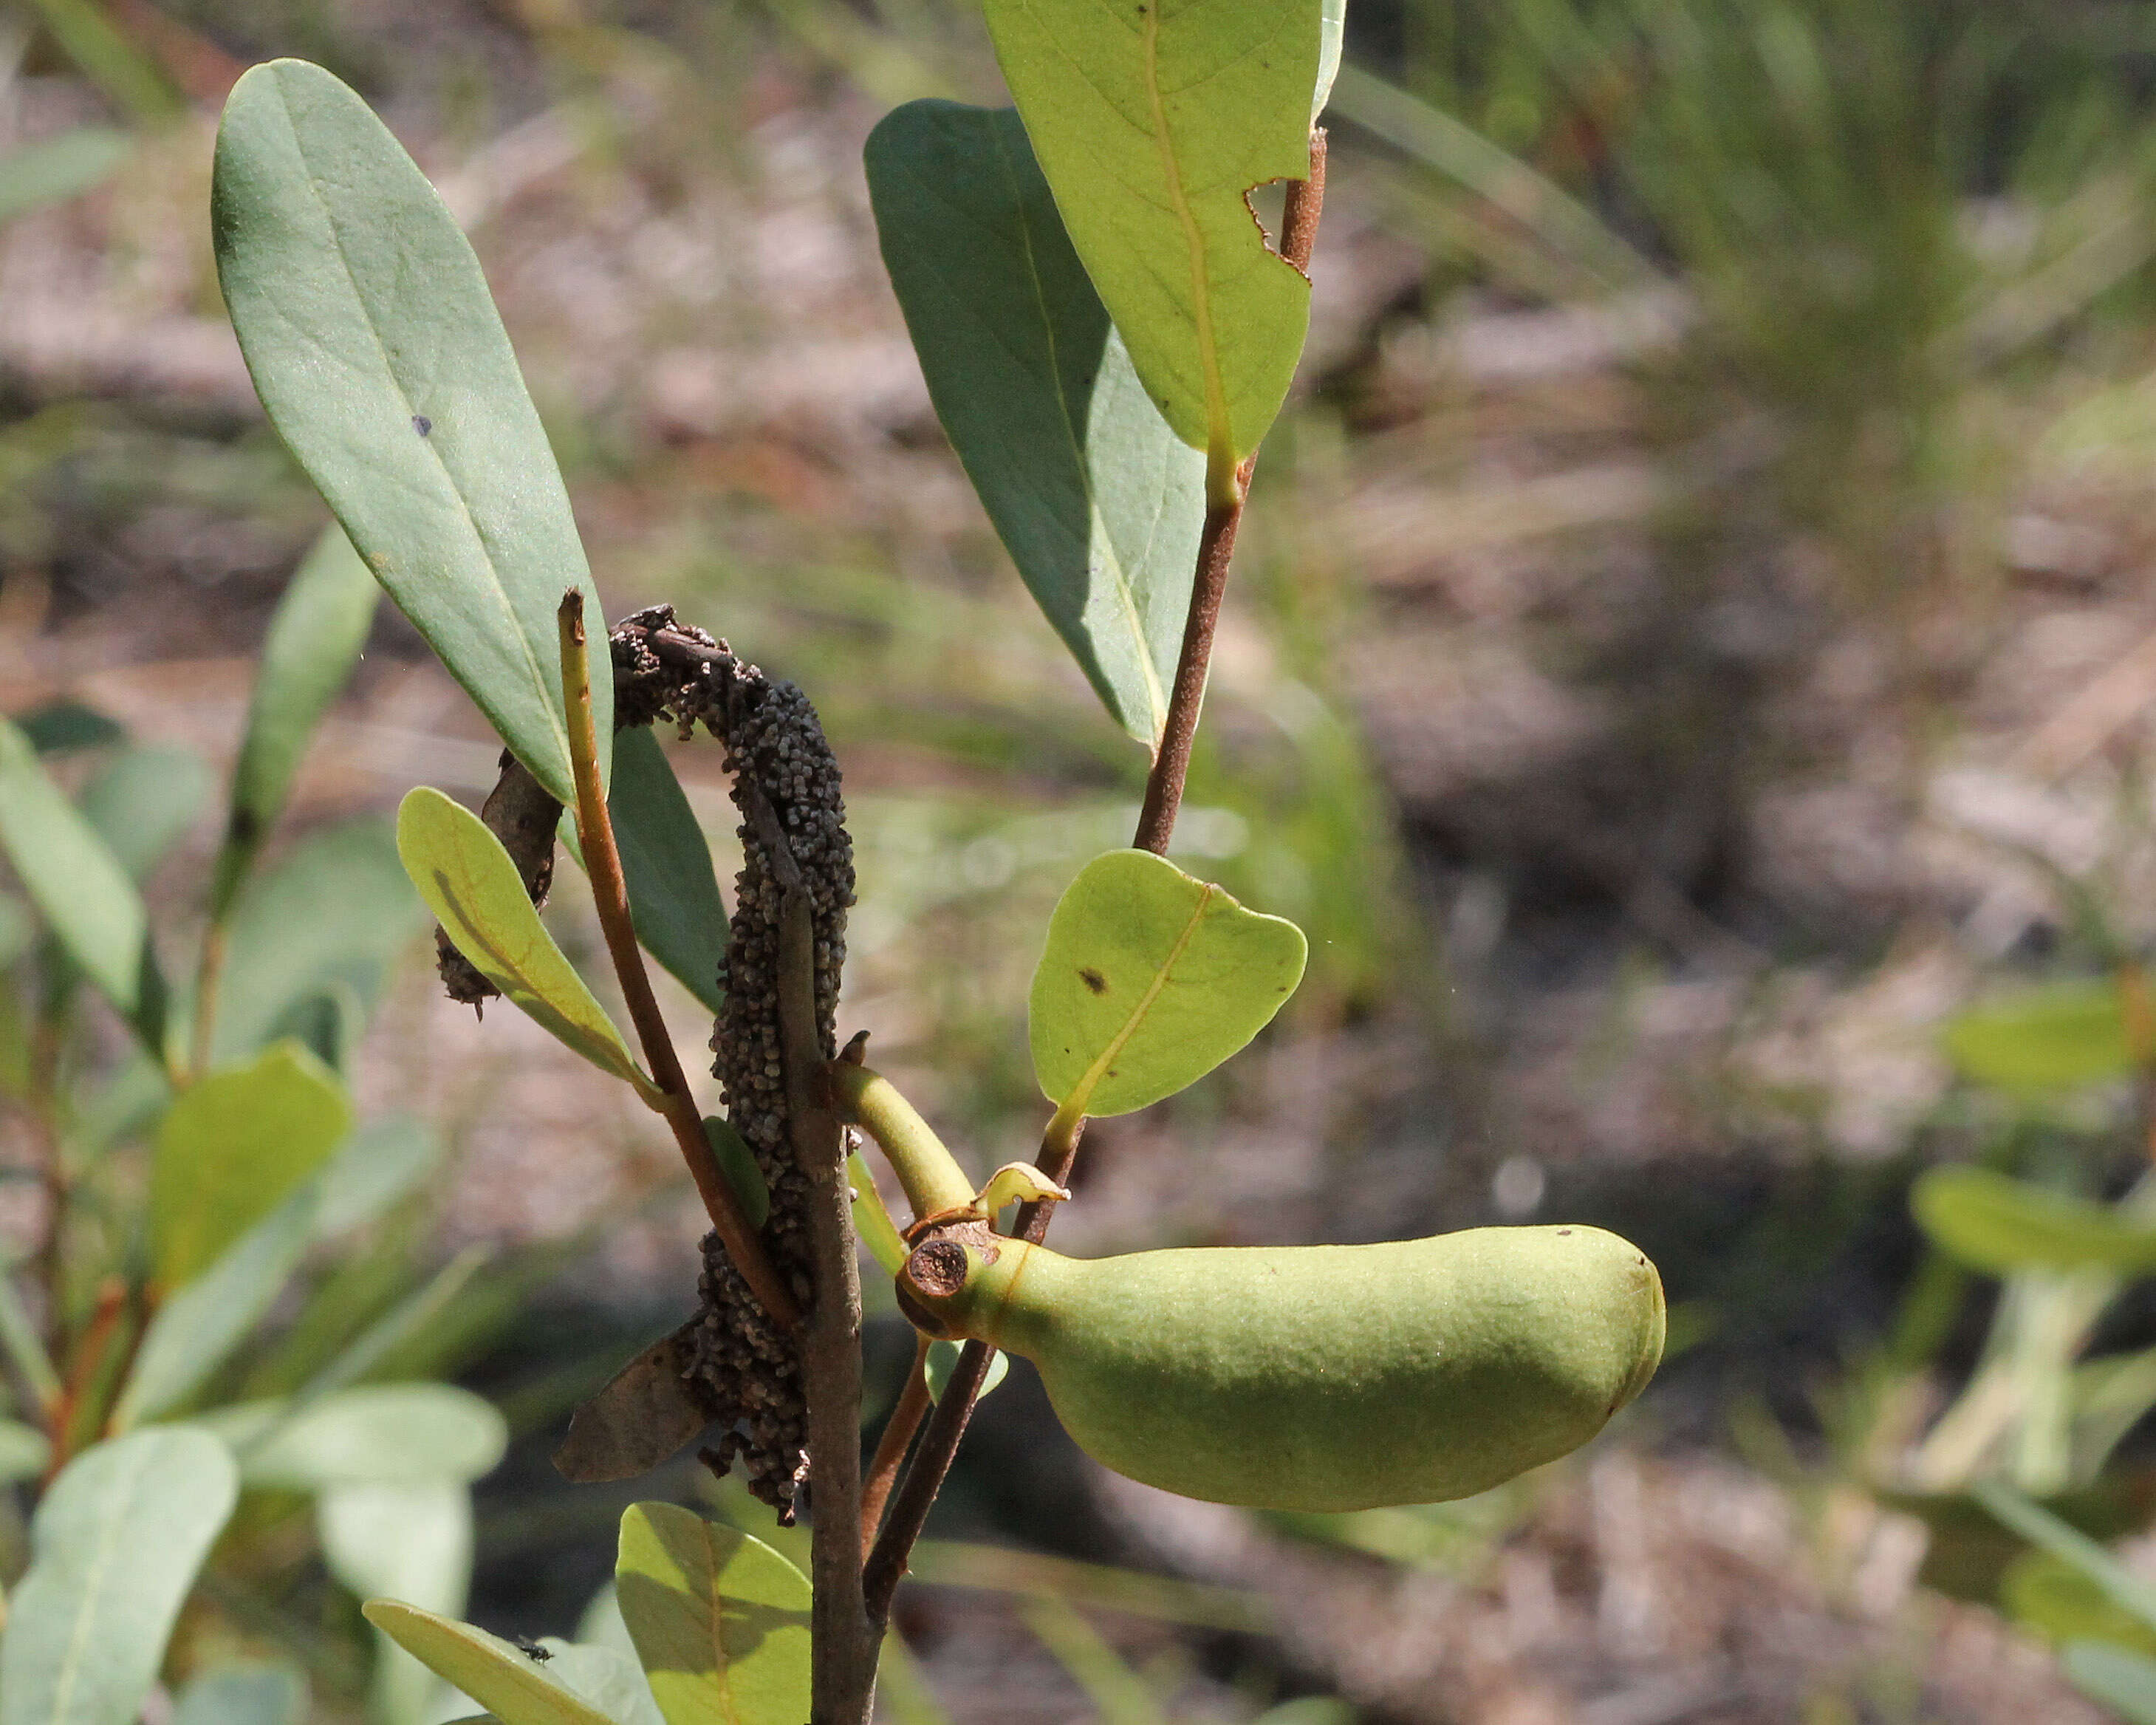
{"points": [[472, 888], [1099, 503], [609, 1678], [379, 1165], [412, 1541], [2051, 1598], [315, 639], [720, 1619], [232, 1148], [738, 1163], [509, 1683], [1153, 124], [2038, 1526], [58, 725], [336, 909], [376, 350], [943, 1360], [2114, 1677], [143, 800], [130, 77], [24, 1450], [1332, 37], [113, 1548], [55, 169], [666, 861], [2054, 1038], [244, 1695], [872, 1217], [381, 1434], [1150, 980], [1994, 1223], [80, 889]]}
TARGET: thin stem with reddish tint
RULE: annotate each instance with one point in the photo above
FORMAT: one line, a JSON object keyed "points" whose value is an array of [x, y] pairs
{"points": [[892, 1447], [610, 892]]}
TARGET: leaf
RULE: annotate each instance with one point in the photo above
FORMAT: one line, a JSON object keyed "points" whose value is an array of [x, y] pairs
{"points": [[195, 1331], [1996, 1225], [2038, 1526], [665, 859], [378, 352], [244, 1695], [315, 638], [609, 1678], [643, 1417], [872, 1217], [55, 169], [336, 909], [381, 1434], [472, 888], [80, 889], [1332, 37], [511, 1684], [24, 1450], [2051, 1598], [737, 1163], [414, 1540], [1099, 503], [232, 1148], [56, 726], [2054, 1037], [943, 1360], [720, 1619], [143, 801], [379, 1165], [1151, 978], [113, 1548], [131, 78], [1152, 123], [2114, 1677]]}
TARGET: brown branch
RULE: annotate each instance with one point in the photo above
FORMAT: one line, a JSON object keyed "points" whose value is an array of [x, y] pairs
{"points": [[890, 1449], [610, 892], [909, 1511]]}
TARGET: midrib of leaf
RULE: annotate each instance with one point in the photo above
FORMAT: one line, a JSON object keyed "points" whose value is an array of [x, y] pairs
{"points": [[73, 1664], [715, 1620], [1084, 1089], [1156, 700], [499, 592]]}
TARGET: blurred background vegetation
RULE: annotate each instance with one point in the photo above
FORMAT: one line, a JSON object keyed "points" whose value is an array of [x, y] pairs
{"points": [[1690, 672]]}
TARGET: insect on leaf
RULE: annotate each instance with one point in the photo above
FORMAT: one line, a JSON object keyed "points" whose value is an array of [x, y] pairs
{"points": [[509, 1682]]}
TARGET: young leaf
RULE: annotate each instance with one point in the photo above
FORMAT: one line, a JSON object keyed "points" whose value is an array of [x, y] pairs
{"points": [[1099, 505], [379, 1433], [1152, 123], [1151, 978], [413, 1542], [1996, 1225], [509, 1683], [244, 1695], [142, 801], [872, 1217], [378, 352], [2054, 1037], [1332, 37], [472, 888], [113, 1548], [673, 892], [720, 1619], [229, 1151], [314, 641], [80, 889]]}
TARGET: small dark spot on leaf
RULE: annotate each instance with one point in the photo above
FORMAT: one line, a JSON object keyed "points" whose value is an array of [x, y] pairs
{"points": [[1093, 979], [422, 424], [1563, 1231]]}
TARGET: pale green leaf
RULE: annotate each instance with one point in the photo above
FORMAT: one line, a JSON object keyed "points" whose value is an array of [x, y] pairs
{"points": [[508, 1682], [113, 1548], [2113, 1676], [666, 862], [143, 800], [244, 1695], [377, 1167], [376, 350], [1151, 978], [379, 1433], [55, 169], [415, 1543], [609, 1678], [472, 888], [1332, 37], [315, 637], [872, 1217], [231, 1148], [943, 1360], [1099, 503], [1996, 1224], [720, 1619], [1153, 123], [2054, 1038], [2037, 1525], [24, 1450]]}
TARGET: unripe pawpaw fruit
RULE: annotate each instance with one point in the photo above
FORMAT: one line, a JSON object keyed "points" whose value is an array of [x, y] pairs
{"points": [[1317, 1377]]}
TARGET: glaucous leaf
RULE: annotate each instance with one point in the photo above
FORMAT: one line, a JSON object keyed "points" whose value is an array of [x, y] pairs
{"points": [[382, 1163], [1332, 37], [1152, 127], [509, 1683], [55, 169], [316, 636], [2054, 1038], [231, 1148], [1993, 1223], [2113, 1676], [1151, 978], [720, 1619], [113, 1548], [143, 800], [1099, 503], [472, 887], [378, 1434], [378, 352], [412, 1541], [24, 1451], [609, 1678], [244, 1695], [666, 861]]}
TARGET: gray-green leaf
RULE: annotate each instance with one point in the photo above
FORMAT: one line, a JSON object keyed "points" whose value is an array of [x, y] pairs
{"points": [[244, 1695], [666, 861], [379, 1433]]}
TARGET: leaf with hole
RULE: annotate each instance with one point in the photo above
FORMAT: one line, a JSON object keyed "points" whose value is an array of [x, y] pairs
{"points": [[509, 1683], [1152, 122], [472, 887], [1099, 503], [720, 1619], [113, 1549], [376, 350], [1993, 1223], [666, 862], [1151, 978]]}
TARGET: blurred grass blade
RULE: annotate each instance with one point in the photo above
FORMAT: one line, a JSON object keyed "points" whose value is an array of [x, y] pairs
{"points": [[314, 641], [902, 1686], [231, 1148], [249, 1694], [1998, 1225], [1151, 136], [1099, 503], [143, 800], [80, 889], [2114, 1677], [397, 1327], [720, 1619], [1120, 1696], [53, 170], [378, 352], [116, 66], [2042, 1528], [412, 1542], [673, 891], [471, 885], [497, 1676], [113, 1549]]}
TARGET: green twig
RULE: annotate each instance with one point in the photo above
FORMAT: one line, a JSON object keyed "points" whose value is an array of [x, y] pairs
{"points": [[934, 1182]]}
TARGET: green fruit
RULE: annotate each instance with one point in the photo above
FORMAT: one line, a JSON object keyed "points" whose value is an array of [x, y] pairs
{"points": [[1318, 1377]]}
